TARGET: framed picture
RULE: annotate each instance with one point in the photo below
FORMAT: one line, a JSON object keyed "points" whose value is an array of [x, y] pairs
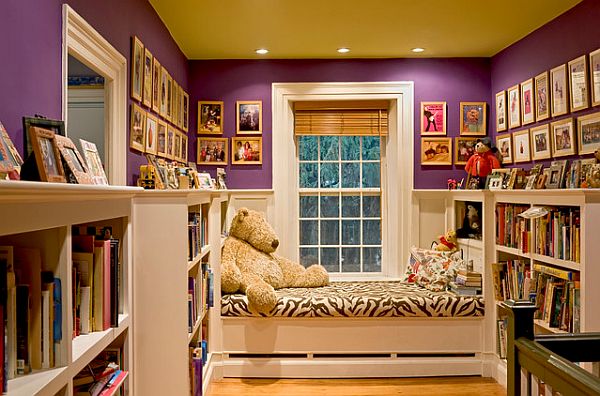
{"points": [[186, 111], [169, 104], [501, 124], [175, 103], [586, 164], [464, 149], [47, 156], [161, 139], [542, 178], [179, 106], [574, 175], [504, 145], [170, 142], [542, 97], [160, 181], [540, 142], [527, 102], [495, 181], [473, 118], [156, 86], [176, 146], [93, 161], [436, 151], [560, 90], [210, 119], [556, 174], [249, 117], [184, 147], [588, 131], [75, 167], [137, 138], [595, 76], [246, 150], [433, 118], [163, 92], [6, 163], [514, 107], [151, 134], [521, 146], [11, 151], [563, 138], [578, 83], [137, 68], [530, 183], [56, 126], [213, 151], [147, 91]]}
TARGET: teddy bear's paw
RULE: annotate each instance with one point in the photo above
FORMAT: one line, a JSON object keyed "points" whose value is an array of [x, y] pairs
{"points": [[231, 279], [261, 298], [315, 276]]}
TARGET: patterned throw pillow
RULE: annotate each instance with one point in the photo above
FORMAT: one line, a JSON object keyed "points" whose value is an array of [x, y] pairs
{"points": [[432, 269]]}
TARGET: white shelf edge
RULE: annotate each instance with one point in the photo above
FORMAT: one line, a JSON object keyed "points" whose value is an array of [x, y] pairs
{"points": [[198, 259], [50, 381], [572, 265], [195, 329], [470, 242], [509, 250]]}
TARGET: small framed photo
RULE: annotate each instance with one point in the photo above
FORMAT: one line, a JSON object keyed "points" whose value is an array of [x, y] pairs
{"points": [[588, 131], [249, 117], [595, 76], [184, 147], [137, 136], [151, 134], [555, 177], [170, 142], [578, 84], [164, 76], [156, 86], [175, 103], [186, 112], [433, 118], [11, 151], [56, 126], [540, 142], [464, 149], [530, 184], [542, 97], [504, 145], [147, 91], [75, 169], [527, 102], [514, 107], [6, 160], [210, 117], [169, 98], [212, 151], [436, 151], [93, 161], [176, 145], [501, 124], [47, 156], [161, 139], [560, 90], [137, 68], [495, 181], [246, 150], [542, 179], [521, 146], [563, 138], [473, 118]]}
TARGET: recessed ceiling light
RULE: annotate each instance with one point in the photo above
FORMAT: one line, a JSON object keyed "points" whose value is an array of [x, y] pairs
{"points": [[262, 51], [418, 49], [343, 50]]}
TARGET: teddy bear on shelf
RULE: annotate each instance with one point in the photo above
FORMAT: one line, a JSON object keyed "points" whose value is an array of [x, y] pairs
{"points": [[481, 163], [249, 264], [448, 242]]}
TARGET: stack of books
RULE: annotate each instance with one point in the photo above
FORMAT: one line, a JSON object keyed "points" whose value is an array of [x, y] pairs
{"points": [[467, 283]]}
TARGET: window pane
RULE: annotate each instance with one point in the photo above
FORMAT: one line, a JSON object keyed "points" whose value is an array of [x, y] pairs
{"points": [[330, 232], [330, 176], [350, 148], [350, 259], [350, 232], [371, 206], [371, 174], [309, 232], [351, 206], [330, 259], [309, 256], [371, 232], [350, 175], [330, 147], [330, 206], [308, 175], [308, 148], [370, 149], [372, 259], [308, 206]]}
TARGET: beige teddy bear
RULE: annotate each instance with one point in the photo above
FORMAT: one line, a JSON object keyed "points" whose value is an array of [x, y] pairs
{"points": [[448, 242], [249, 265]]}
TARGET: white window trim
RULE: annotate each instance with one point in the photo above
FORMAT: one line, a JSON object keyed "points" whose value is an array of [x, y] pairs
{"points": [[397, 162]]}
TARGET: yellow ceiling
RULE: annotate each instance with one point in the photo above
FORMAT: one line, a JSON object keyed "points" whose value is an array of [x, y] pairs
{"points": [[233, 29]]}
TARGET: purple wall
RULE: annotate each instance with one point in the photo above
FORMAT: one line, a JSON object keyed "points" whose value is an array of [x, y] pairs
{"points": [[31, 47], [450, 80]]}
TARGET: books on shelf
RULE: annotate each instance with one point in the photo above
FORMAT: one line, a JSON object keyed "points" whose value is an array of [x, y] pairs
{"points": [[512, 230], [197, 233], [467, 283], [501, 334], [513, 280], [558, 233], [102, 376]]}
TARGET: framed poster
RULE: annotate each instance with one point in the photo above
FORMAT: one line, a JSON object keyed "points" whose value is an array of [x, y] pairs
{"points": [[560, 90], [595, 76], [186, 111], [540, 142], [246, 150], [588, 131], [213, 151], [137, 137], [170, 142], [249, 117], [542, 95], [504, 145], [578, 83], [473, 118], [514, 107], [156, 86], [169, 97], [137, 68], [433, 118], [151, 134], [164, 76], [501, 124], [563, 138], [527, 102], [522, 148], [147, 90], [436, 151], [464, 149], [210, 119], [161, 139]]}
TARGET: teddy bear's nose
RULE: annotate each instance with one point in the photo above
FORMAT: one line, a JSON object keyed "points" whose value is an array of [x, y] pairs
{"points": [[275, 243]]}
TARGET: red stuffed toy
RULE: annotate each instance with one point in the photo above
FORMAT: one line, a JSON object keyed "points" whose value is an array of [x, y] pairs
{"points": [[483, 161]]}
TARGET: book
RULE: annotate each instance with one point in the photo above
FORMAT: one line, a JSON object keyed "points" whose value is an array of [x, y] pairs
{"points": [[57, 322], [45, 329], [23, 361], [84, 263], [502, 338], [48, 321], [85, 310], [114, 282], [101, 289], [115, 383]]}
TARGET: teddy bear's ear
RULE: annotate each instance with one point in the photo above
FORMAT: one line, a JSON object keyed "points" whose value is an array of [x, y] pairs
{"points": [[242, 213]]}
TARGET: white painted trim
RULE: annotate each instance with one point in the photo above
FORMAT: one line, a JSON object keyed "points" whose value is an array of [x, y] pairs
{"points": [[83, 42], [397, 161]]}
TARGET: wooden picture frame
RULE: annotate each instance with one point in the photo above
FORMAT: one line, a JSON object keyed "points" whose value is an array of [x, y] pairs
{"points": [[175, 105], [178, 106], [495, 181], [6, 162], [433, 118], [464, 148], [163, 92], [542, 178], [563, 138], [556, 175], [210, 117], [541, 144], [147, 88], [251, 153], [505, 147], [170, 142], [521, 146], [588, 133], [527, 102], [156, 70], [151, 134], [176, 145], [501, 120], [11, 151], [514, 107], [542, 96], [473, 118], [212, 151], [578, 84], [595, 77], [47, 156], [559, 85], [169, 103], [186, 112], [75, 164], [530, 184], [184, 147], [93, 161], [137, 68], [56, 126], [248, 117], [137, 129], [161, 139], [436, 151]]}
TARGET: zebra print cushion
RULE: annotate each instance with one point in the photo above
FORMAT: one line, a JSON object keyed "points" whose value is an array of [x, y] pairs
{"points": [[361, 299]]}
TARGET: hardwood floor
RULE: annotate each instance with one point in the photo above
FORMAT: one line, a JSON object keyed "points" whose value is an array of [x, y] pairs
{"points": [[438, 386]]}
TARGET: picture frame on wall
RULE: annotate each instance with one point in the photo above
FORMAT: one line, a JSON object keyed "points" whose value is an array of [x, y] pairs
{"points": [[563, 138], [170, 142], [501, 122], [186, 112], [137, 68], [148, 67], [541, 147], [161, 139], [93, 161], [75, 166], [213, 151], [248, 117], [156, 68], [184, 147], [164, 76], [588, 132], [527, 102], [210, 117], [137, 137], [169, 103], [542, 97], [473, 118], [578, 84], [436, 151], [246, 150], [560, 90], [151, 134], [504, 145], [595, 77], [522, 146], [47, 156], [176, 145], [464, 148], [433, 118], [514, 107]]}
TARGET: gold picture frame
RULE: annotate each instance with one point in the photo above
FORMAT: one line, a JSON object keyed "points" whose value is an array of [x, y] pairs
{"points": [[521, 146], [436, 151], [186, 112], [161, 139], [147, 84], [184, 147], [527, 102], [595, 77], [162, 92], [542, 96], [541, 144], [93, 161], [170, 142], [514, 107], [464, 148], [212, 151], [505, 147], [210, 117], [137, 129], [151, 134], [250, 152], [588, 133], [156, 70], [563, 138], [473, 119], [248, 117], [47, 156], [137, 68], [578, 84], [559, 85], [433, 115], [501, 120], [75, 164]]}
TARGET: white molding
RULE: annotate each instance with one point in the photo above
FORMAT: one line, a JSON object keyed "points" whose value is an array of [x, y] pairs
{"points": [[83, 42]]}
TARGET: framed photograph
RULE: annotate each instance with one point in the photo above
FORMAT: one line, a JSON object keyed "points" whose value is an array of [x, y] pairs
{"points": [[6, 163], [56, 126], [514, 107], [556, 174], [175, 103], [436, 151], [156, 86], [542, 179], [186, 112], [527, 102], [160, 181], [530, 184], [249, 117], [163, 92], [540, 142], [473, 118], [213, 151], [179, 106], [595, 76], [151, 134], [495, 181], [169, 104], [75, 167], [563, 138], [246, 150], [176, 145], [210, 119], [137, 136], [93, 161], [586, 164], [588, 131], [170, 142], [137, 68], [521, 146], [47, 156], [184, 147], [464, 149], [501, 124], [11, 151], [161, 139], [433, 118], [578, 84], [147, 90], [574, 175], [504, 145], [542, 97], [560, 90]]}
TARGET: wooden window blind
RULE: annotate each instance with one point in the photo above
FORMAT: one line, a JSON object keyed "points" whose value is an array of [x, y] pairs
{"points": [[342, 117]]}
